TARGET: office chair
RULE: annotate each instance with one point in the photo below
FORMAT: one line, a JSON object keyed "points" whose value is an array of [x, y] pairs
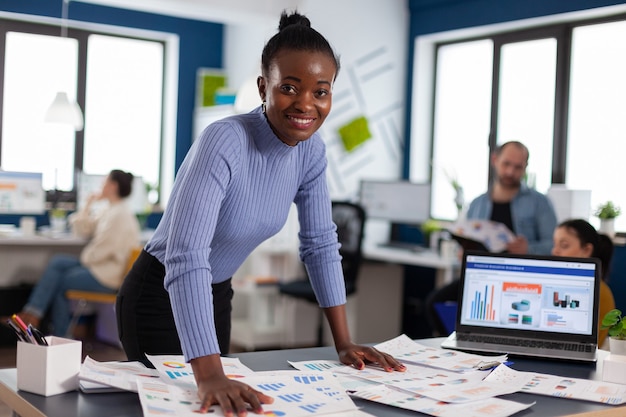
{"points": [[350, 221], [447, 315], [84, 299]]}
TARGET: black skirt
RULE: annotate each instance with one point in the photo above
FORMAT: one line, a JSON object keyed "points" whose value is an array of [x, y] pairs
{"points": [[145, 320]]}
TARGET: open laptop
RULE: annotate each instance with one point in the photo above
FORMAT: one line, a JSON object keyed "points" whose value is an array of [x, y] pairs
{"points": [[541, 306]]}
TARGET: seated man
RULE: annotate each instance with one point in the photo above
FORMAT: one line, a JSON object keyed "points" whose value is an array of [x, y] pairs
{"points": [[528, 213]]}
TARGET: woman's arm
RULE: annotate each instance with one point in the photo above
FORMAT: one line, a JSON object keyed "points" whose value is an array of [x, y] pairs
{"points": [[215, 388], [353, 354]]}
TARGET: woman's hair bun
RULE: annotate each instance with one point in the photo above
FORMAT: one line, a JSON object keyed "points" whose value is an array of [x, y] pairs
{"points": [[293, 19]]}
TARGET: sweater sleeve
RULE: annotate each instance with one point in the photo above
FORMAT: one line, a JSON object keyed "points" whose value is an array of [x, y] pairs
{"points": [[83, 224], [319, 249]]}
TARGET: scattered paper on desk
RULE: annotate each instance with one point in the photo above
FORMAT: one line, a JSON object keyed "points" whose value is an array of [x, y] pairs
{"points": [[406, 350], [437, 384], [295, 394], [321, 365], [416, 378], [120, 375], [574, 388], [174, 369], [501, 381], [491, 407]]}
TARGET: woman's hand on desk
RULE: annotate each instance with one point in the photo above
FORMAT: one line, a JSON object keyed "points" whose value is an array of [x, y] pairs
{"points": [[358, 356], [235, 397]]}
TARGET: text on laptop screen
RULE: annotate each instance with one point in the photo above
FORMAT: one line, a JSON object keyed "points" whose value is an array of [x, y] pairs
{"points": [[528, 294]]}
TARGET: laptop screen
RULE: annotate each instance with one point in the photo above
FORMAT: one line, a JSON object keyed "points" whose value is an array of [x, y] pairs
{"points": [[529, 293]]}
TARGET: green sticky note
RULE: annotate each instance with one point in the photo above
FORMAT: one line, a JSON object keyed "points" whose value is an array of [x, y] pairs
{"points": [[210, 84], [355, 133]]}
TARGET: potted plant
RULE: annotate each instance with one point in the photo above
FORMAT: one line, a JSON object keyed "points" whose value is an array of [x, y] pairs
{"points": [[58, 219], [607, 213], [429, 230], [613, 321]]}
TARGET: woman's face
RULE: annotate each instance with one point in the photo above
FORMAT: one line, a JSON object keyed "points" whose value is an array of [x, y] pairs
{"points": [[297, 92], [110, 189], [567, 243]]}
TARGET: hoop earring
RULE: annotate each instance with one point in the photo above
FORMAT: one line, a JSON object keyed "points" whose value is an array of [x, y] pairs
{"points": [[263, 107]]}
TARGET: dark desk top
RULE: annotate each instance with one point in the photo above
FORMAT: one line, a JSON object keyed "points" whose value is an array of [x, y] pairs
{"points": [[75, 404]]}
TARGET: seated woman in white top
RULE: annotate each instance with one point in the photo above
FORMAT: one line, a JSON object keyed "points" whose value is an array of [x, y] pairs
{"points": [[113, 233]]}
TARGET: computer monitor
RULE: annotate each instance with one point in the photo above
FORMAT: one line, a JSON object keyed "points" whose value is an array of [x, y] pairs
{"points": [[396, 201], [22, 193]]}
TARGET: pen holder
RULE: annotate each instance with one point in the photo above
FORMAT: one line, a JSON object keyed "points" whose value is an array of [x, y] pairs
{"points": [[49, 370]]}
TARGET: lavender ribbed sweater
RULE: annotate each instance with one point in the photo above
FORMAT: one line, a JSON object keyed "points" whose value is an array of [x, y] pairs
{"points": [[232, 192]]}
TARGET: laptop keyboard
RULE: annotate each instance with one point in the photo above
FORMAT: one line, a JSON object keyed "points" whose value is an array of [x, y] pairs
{"points": [[542, 344]]}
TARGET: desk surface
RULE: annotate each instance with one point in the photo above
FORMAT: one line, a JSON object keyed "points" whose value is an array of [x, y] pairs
{"points": [[127, 404], [427, 258], [65, 239]]}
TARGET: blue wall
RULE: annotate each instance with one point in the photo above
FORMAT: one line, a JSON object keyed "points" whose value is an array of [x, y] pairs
{"points": [[431, 16], [201, 45]]}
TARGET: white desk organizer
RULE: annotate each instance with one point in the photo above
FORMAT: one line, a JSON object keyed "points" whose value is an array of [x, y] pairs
{"points": [[49, 370], [614, 369]]}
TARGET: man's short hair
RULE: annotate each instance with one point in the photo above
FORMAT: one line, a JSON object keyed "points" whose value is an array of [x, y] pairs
{"points": [[515, 143]]}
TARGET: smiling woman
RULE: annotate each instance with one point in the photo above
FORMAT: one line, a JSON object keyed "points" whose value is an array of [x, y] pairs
{"points": [[234, 190]]}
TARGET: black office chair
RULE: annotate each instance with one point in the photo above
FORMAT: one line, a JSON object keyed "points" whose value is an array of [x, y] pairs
{"points": [[350, 220]]}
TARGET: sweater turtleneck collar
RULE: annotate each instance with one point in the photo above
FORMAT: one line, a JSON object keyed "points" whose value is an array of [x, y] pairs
{"points": [[266, 140]]}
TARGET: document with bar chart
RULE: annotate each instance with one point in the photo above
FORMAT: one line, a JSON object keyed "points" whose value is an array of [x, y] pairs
{"points": [[295, 394], [174, 369]]}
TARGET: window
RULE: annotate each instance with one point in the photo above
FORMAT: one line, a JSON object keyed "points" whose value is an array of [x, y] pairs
{"points": [[36, 67], [526, 104], [462, 114], [558, 89], [597, 126], [123, 103], [118, 80]]}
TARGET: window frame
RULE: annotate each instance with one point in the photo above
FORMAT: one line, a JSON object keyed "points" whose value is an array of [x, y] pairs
{"points": [[52, 27], [422, 127]]}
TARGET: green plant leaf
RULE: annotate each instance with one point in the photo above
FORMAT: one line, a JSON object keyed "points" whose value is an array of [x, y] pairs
{"points": [[612, 317], [616, 330]]}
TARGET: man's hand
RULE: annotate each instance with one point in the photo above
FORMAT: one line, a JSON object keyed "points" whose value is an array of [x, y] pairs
{"points": [[519, 245]]}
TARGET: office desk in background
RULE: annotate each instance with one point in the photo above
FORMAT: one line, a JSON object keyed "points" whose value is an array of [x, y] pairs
{"points": [[76, 404], [23, 258], [427, 258]]}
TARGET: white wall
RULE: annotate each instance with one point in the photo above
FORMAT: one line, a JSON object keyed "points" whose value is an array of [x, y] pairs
{"points": [[371, 38]]}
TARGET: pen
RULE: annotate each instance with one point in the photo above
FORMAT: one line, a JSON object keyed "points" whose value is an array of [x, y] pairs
{"points": [[20, 322], [38, 336], [18, 332], [485, 366], [31, 336]]}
